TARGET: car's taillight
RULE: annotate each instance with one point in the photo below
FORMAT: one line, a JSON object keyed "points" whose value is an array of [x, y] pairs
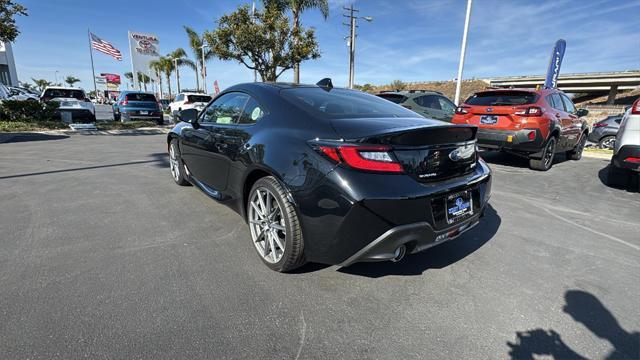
{"points": [[461, 110], [633, 159], [529, 111], [597, 125], [531, 135], [368, 158], [125, 101], [635, 108]]}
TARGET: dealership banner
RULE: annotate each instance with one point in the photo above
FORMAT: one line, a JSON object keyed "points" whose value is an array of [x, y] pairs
{"points": [[553, 71], [111, 78], [144, 48]]}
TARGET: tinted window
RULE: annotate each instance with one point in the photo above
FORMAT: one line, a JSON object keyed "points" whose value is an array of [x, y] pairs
{"points": [[568, 104], [140, 97], [64, 93], [446, 105], [227, 109], [430, 101], [198, 98], [252, 112], [497, 98], [557, 102], [396, 98], [343, 103]]}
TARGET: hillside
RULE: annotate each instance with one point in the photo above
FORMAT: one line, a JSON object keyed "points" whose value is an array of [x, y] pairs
{"points": [[448, 88]]}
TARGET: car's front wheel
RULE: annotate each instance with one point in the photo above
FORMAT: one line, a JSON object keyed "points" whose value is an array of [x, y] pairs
{"points": [[274, 226], [175, 164]]}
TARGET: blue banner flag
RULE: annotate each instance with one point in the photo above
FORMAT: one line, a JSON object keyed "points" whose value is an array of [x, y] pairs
{"points": [[553, 71]]}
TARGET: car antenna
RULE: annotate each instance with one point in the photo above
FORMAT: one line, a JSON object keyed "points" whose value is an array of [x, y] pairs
{"points": [[325, 83]]}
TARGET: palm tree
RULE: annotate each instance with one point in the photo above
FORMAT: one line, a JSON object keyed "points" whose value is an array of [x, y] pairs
{"points": [[297, 7], [41, 84], [195, 44], [156, 66], [179, 58], [129, 76], [164, 65], [71, 80], [144, 79]]}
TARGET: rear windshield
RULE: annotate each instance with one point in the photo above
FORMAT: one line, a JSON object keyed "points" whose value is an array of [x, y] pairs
{"points": [[396, 98], [198, 98], [342, 103], [497, 98], [64, 93], [141, 97]]}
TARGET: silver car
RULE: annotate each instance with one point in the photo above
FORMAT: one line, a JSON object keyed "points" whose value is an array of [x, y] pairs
{"points": [[626, 152]]}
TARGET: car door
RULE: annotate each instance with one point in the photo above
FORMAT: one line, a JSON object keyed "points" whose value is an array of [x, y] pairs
{"points": [[564, 120], [574, 123], [204, 146]]}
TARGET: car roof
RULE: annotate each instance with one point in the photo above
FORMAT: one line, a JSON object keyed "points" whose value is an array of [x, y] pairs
{"points": [[63, 88], [193, 93], [529, 90], [410, 93]]}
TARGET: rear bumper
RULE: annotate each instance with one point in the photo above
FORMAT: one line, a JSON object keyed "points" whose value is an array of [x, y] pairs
{"points": [[627, 151], [128, 115], [516, 140], [83, 115]]}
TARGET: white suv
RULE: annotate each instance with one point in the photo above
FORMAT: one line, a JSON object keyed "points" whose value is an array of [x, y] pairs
{"points": [[189, 100], [73, 101], [626, 153]]}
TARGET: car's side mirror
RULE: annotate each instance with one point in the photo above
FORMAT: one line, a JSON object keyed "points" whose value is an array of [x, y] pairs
{"points": [[582, 112], [188, 115]]}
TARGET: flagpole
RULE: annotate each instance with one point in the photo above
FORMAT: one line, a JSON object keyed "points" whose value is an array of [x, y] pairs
{"points": [[93, 71], [133, 70]]}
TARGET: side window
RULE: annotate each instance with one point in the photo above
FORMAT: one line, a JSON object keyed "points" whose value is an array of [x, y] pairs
{"points": [[550, 101], [180, 97], [568, 104], [557, 102], [252, 112], [227, 109], [429, 101], [446, 105]]}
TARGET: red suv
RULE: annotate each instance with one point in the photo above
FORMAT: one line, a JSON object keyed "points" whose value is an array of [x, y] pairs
{"points": [[535, 124]]}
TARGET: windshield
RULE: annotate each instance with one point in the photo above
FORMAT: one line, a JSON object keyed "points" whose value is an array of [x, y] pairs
{"points": [[486, 98], [141, 97], [198, 98], [64, 93], [343, 103]]}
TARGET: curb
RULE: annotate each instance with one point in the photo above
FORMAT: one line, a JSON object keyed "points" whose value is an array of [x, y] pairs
{"points": [[596, 155]]}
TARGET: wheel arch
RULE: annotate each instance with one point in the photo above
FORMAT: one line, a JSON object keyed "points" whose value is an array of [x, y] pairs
{"points": [[253, 175]]}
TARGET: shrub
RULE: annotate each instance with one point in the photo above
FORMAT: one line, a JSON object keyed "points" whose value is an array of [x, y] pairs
{"points": [[398, 85], [28, 111]]}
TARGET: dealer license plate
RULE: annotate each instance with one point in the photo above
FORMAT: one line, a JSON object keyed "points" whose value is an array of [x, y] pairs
{"points": [[488, 119], [459, 206]]}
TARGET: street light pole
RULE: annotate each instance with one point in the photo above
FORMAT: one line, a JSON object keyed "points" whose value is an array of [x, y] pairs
{"points": [[352, 40], [463, 51], [204, 70]]}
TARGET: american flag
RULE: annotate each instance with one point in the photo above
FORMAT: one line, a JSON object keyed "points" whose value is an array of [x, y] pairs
{"points": [[105, 47]]}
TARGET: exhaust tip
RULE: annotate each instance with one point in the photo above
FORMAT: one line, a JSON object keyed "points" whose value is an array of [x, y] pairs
{"points": [[399, 253]]}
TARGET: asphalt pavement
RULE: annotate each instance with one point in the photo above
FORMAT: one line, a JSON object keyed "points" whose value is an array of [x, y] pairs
{"points": [[103, 256]]}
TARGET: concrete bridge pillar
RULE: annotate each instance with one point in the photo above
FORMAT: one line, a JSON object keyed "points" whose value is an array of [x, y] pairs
{"points": [[612, 94]]}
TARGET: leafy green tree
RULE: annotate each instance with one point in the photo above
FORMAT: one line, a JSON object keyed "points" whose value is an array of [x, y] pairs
{"points": [[41, 84], [70, 80], [297, 7], [263, 42], [8, 28], [195, 44]]}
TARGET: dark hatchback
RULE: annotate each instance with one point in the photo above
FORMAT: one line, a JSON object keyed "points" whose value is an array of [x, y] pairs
{"points": [[331, 175]]}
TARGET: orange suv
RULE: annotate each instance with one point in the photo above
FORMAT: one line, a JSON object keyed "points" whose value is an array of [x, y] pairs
{"points": [[535, 124]]}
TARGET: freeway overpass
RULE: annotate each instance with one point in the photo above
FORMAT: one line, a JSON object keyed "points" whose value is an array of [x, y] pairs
{"points": [[586, 83]]}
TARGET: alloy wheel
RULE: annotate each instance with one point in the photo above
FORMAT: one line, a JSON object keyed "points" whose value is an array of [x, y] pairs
{"points": [[548, 155], [174, 166], [608, 143], [267, 226]]}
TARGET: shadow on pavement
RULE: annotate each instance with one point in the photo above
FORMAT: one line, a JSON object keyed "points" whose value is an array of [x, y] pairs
{"points": [[586, 309], [161, 159], [24, 137], [619, 179], [437, 257], [506, 159]]}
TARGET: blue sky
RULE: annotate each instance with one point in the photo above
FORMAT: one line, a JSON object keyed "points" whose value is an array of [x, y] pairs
{"points": [[410, 40]]}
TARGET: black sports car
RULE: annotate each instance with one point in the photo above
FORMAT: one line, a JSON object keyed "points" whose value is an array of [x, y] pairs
{"points": [[330, 175]]}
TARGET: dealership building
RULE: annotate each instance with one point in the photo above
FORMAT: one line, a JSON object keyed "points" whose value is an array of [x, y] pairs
{"points": [[8, 74]]}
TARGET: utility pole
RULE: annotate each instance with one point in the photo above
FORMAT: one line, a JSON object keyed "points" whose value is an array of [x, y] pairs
{"points": [[352, 39], [463, 51]]}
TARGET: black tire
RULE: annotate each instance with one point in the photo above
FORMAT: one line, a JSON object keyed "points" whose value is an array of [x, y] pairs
{"points": [[576, 153], [607, 142], [160, 120], [116, 116], [293, 256], [548, 153], [178, 172]]}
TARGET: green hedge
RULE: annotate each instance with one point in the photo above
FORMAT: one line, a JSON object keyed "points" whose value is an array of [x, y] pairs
{"points": [[28, 111]]}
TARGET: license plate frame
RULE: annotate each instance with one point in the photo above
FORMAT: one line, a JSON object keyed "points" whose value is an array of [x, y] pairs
{"points": [[144, 112], [458, 206], [488, 119]]}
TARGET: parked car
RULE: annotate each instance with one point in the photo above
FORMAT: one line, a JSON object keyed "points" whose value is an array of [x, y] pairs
{"points": [[430, 104], [331, 175], [132, 105], [185, 101], [73, 101], [535, 124], [604, 131], [4, 92], [17, 93], [626, 152]]}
